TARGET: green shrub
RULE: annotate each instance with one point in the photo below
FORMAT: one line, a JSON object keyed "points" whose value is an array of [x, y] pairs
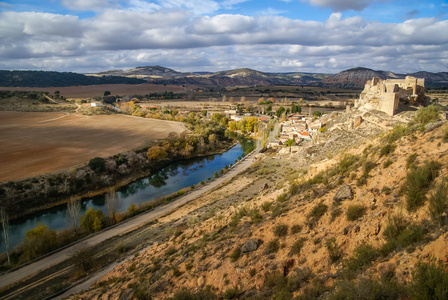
{"points": [[313, 291], [299, 278], [97, 164], [387, 163], [437, 204], [319, 178], [282, 198], [427, 114], [399, 234], [235, 255], [361, 259], [362, 180], [273, 246], [396, 133], [355, 211], [230, 293], [417, 182], [316, 213], [368, 166], [281, 230], [297, 246], [445, 135], [387, 149], [386, 287], [318, 210], [430, 281], [335, 212], [256, 216], [295, 229], [293, 188], [347, 162], [410, 161], [395, 226], [334, 251], [266, 206]]}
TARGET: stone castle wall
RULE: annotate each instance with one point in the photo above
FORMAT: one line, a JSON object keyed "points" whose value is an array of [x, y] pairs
{"points": [[385, 95]]}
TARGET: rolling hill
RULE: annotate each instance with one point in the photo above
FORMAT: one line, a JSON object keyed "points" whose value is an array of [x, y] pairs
{"points": [[351, 78]]}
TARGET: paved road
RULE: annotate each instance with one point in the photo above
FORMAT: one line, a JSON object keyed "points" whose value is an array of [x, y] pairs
{"points": [[40, 265]]}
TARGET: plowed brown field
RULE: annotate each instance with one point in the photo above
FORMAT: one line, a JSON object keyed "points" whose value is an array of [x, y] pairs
{"points": [[37, 143]]}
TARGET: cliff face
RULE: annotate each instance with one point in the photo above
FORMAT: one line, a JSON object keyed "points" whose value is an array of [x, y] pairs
{"points": [[344, 227]]}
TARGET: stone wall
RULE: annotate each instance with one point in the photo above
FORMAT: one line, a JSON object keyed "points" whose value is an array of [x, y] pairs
{"points": [[385, 95]]}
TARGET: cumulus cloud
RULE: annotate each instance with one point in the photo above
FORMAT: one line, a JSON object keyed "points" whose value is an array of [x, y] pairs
{"points": [[342, 5], [177, 38], [229, 4], [89, 5], [196, 6]]}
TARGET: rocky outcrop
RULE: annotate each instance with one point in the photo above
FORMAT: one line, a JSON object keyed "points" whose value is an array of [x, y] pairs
{"points": [[251, 245], [344, 192]]}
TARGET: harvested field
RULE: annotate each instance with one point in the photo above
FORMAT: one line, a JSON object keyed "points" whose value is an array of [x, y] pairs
{"points": [[37, 143], [90, 91]]}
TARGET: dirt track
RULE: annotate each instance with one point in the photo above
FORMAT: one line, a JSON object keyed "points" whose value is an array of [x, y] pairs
{"points": [[37, 143]]}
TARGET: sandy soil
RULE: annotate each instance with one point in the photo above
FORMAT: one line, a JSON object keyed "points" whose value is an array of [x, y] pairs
{"points": [[36, 143]]}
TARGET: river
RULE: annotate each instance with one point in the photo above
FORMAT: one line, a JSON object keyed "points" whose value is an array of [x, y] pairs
{"points": [[169, 180]]}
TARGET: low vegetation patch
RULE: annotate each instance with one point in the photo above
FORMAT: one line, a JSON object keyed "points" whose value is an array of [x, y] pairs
{"points": [[355, 211], [427, 114], [418, 180], [297, 246], [400, 234], [316, 213], [438, 202], [281, 230], [334, 251], [360, 260]]}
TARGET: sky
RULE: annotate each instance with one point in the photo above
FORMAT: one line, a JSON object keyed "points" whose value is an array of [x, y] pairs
{"points": [[318, 36]]}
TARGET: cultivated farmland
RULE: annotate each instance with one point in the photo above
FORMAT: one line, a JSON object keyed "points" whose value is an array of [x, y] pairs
{"points": [[37, 143]]}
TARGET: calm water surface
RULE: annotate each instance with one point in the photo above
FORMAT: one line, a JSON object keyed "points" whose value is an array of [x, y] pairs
{"points": [[169, 180]]}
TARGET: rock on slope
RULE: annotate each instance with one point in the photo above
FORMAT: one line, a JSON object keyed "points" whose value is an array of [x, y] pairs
{"points": [[297, 240]]}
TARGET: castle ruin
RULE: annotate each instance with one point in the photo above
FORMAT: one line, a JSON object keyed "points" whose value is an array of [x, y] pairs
{"points": [[386, 95]]}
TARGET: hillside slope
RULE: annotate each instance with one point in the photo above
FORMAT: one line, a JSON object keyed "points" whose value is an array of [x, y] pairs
{"points": [[325, 222], [351, 78]]}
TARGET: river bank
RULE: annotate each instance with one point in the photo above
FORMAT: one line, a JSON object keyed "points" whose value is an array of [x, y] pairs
{"points": [[27, 197], [139, 195]]}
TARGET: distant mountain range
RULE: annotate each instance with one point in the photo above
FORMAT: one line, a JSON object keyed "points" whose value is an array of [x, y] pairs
{"points": [[352, 78]]}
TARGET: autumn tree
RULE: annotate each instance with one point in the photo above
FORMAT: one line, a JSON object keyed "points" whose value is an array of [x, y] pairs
{"points": [[39, 241], [92, 221], [251, 123], [232, 126], [157, 152]]}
